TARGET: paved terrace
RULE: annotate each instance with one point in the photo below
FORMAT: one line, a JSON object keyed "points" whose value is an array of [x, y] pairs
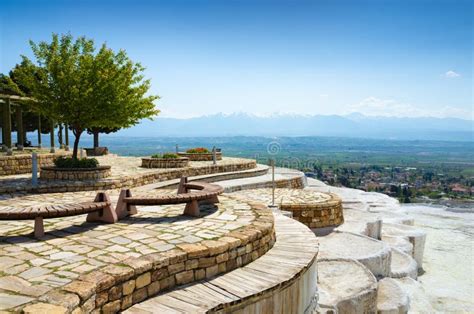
{"points": [[126, 172], [32, 268]]}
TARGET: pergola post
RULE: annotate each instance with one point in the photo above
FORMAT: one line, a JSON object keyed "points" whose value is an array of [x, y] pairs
{"points": [[19, 128], [60, 136], [51, 136], [66, 135], [39, 131], [7, 128]]}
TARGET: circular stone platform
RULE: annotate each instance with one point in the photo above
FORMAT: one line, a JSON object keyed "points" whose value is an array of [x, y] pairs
{"points": [[347, 286], [312, 208], [102, 266], [374, 254]]}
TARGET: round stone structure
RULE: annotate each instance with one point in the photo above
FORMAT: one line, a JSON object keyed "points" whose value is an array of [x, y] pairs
{"points": [[150, 162], [312, 208], [74, 174]]}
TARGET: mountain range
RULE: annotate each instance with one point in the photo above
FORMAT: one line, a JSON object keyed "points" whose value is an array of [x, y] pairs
{"points": [[353, 125]]}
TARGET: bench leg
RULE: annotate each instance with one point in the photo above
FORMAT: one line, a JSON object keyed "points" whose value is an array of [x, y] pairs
{"points": [[192, 209], [39, 227], [181, 187], [123, 209], [106, 214]]}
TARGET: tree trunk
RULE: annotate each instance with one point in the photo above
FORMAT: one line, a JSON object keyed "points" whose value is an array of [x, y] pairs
{"points": [[77, 136], [96, 139]]}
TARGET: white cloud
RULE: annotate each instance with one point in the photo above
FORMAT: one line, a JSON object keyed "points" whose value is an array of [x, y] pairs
{"points": [[373, 106], [451, 74]]}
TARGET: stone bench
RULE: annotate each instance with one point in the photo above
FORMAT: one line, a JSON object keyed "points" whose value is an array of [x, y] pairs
{"points": [[98, 210], [126, 204]]}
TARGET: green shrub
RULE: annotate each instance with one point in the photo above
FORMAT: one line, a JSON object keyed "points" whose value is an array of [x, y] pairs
{"points": [[165, 156], [198, 150], [68, 162]]}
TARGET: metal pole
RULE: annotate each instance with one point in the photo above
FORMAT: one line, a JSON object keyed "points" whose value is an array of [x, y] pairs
{"points": [[34, 169], [214, 158], [273, 182], [177, 148]]}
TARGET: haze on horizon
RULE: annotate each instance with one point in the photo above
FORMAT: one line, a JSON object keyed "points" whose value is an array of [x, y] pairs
{"points": [[378, 58]]}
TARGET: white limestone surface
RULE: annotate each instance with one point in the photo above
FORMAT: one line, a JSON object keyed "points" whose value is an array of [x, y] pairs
{"points": [[403, 265], [391, 297], [347, 286], [374, 254]]}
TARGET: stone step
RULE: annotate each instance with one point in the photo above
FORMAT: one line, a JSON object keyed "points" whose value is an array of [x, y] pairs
{"points": [[361, 222], [374, 254], [284, 178], [402, 265], [416, 237], [281, 280], [260, 170], [345, 286], [391, 297], [419, 301], [400, 243]]}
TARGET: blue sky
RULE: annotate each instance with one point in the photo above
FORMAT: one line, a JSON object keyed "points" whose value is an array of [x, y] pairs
{"points": [[398, 58]]}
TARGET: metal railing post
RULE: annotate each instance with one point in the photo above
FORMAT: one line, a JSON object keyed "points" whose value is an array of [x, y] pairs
{"points": [[34, 169]]}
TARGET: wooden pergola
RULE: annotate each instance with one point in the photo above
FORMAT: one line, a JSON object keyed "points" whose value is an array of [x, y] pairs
{"points": [[6, 102]]}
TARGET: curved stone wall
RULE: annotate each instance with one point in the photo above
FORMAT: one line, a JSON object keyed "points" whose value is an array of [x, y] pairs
{"points": [[118, 286], [201, 157], [18, 164], [53, 173], [180, 162], [326, 213]]}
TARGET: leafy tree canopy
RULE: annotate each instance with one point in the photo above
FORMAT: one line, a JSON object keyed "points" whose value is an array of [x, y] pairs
{"points": [[73, 83]]}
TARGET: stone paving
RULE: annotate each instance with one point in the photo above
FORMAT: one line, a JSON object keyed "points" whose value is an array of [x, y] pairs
{"points": [[31, 267], [125, 171], [284, 196]]}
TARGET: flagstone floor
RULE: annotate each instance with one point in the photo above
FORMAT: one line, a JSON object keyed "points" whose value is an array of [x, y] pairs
{"points": [[30, 267]]}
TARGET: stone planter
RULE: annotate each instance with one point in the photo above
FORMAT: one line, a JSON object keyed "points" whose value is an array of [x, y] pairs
{"points": [[97, 151], [75, 174], [201, 157], [180, 162]]}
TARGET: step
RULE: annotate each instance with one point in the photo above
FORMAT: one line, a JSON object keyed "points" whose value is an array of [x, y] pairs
{"points": [[260, 170], [417, 238], [419, 300], [282, 280], [374, 254], [284, 178], [391, 297], [400, 243], [402, 265], [361, 222], [346, 286]]}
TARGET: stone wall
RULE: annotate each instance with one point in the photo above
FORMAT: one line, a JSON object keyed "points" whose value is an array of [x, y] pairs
{"points": [[117, 287], [296, 182], [18, 164], [201, 157], [53, 173], [128, 181], [180, 162], [317, 215]]}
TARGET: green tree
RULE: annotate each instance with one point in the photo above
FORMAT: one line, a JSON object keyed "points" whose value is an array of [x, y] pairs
{"points": [[73, 83]]}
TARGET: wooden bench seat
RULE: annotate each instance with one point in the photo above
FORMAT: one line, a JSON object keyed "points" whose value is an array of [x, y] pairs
{"points": [[98, 210], [203, 191]]}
